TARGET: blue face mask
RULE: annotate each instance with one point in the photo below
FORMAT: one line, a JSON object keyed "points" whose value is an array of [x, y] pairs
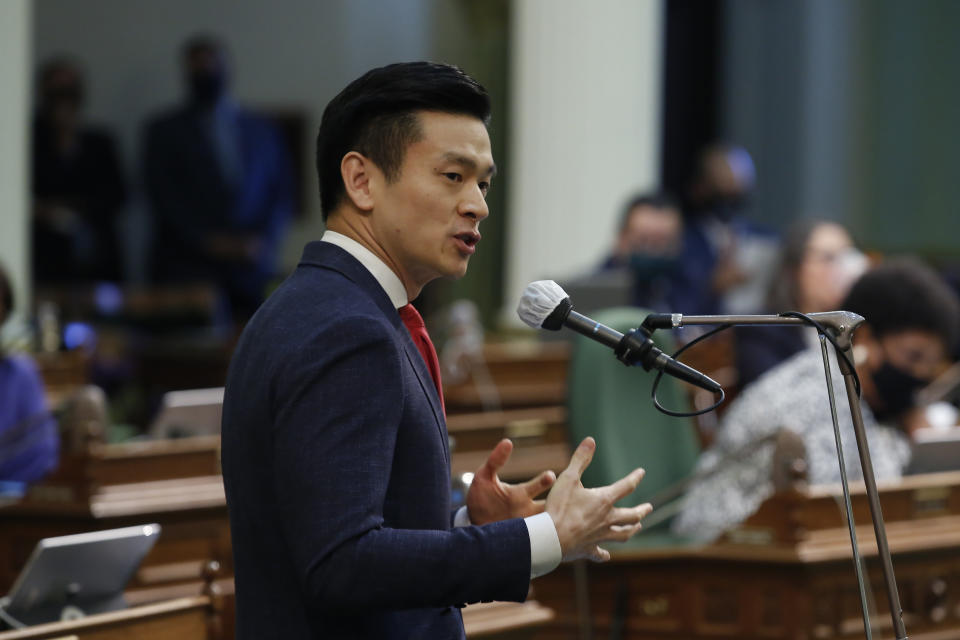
{"points": [[647, 266]]}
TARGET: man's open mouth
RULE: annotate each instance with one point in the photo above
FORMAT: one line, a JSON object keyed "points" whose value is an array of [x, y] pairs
{"points": [[469, 238]]}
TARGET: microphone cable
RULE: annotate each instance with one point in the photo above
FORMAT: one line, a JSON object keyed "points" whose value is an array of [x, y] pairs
{"points": [[723, 327], [826, 334], [675, 356]]}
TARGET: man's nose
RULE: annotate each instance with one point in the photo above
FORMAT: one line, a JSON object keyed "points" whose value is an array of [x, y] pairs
{"points": [[474, 205]]}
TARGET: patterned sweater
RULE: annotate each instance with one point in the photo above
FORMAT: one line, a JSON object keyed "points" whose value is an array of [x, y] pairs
{"points": [[793, 396]]}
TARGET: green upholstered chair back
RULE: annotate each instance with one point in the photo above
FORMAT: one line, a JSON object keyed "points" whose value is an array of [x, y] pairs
{"points": [[612, 403]]}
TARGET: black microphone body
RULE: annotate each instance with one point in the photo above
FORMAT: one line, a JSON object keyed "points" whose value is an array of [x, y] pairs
{"points": [[633, 349], [638, 348]]}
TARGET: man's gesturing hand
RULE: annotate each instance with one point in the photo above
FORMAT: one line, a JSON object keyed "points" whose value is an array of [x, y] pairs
{"points": [[491, 500], [586, 517]]}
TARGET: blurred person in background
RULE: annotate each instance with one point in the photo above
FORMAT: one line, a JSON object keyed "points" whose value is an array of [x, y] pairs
{"points": [[648, 246], [219, 185], [913, 321], [817, 266], [78, 188], [29, 442], [726, 258]]}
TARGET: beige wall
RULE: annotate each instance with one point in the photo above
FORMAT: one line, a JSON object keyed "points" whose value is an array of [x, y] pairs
{"points": [[585, 95], [14, 65]]}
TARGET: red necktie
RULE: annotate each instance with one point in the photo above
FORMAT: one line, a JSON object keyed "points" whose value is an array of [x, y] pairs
{"points": [[418, 331]]}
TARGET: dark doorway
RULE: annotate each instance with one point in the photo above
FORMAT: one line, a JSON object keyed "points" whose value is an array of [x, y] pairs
{"points": [[693, 64]]}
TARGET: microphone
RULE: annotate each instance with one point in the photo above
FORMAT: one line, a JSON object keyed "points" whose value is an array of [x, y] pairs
{"points": [[545, 305]]}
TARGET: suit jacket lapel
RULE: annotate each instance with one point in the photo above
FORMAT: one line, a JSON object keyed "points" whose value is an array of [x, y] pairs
{"points": [[427, 384], [330, 256]]}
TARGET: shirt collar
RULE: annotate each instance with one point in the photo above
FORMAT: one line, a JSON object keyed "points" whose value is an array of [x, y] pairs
{"points": [[383, 274]]}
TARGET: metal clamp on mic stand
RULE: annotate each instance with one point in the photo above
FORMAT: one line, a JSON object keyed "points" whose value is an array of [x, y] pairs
{"points": [[634, 348], [840, 326], [637, 349]]}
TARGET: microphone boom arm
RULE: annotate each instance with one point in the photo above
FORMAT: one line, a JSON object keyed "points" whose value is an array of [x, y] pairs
{"points": [[841, 325], [633, 349]]}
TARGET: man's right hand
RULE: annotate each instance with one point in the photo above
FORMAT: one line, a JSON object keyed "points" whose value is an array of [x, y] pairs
{"points": [[586, 517]]}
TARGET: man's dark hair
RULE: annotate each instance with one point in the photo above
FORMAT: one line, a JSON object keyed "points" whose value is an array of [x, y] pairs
{"points": [[904, 294], [376, 115], [202, 43], [654, 200]]}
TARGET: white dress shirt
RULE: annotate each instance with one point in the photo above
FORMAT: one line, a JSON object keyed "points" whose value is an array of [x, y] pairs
{"points": [[545, 552]]}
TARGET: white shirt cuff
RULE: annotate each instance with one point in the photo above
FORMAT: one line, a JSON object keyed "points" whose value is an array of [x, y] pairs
{"points": [[462, 518], [545, 552]]}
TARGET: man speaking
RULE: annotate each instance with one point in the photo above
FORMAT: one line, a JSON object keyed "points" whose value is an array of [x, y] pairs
{"points": [[335, 455]]}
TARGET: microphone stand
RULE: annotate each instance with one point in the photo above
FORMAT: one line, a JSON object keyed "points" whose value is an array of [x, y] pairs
{"points": [[841, 325]]}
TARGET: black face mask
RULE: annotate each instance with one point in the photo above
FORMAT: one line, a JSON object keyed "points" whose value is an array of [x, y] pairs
{"points": [[896, 389], [206, 87], [726, 208], [648, 266], [723, 208]]}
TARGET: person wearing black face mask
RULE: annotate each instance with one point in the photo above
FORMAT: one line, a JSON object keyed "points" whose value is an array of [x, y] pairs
{"points": [[78, 187], [896, 390], [206, 85], [912, 328], [648, 247], [912, 324], [726, 257], [219, 185]]}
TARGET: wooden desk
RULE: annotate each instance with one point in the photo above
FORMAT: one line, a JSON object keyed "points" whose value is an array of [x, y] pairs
{"points": [[63, 369], [786, 573], [151, 460], [513, 375], [504, 620], [175, 484], [191, 511], [539, 435], [183, 619], [517, 391]]}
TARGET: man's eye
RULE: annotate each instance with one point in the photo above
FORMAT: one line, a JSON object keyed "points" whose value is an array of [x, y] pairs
{"points": [[484, 187], [456, 177]]}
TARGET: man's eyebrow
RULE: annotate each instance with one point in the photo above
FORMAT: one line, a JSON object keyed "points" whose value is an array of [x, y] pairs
{"points": [[469, 163]]}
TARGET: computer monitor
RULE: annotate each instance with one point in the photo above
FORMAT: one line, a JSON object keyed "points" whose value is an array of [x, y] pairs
{"points": [[601, 290], [935, 450], [68, 577], [192, 412]]}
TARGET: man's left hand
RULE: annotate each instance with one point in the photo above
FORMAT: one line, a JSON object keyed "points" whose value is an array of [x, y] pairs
{"points": [[491, 500]]}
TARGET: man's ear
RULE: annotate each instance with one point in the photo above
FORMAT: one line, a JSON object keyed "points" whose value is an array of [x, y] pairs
{"points": [[355, 169]]}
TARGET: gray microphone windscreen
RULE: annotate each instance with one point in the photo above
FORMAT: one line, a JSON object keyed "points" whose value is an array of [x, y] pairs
{"points": [[538, 301]]}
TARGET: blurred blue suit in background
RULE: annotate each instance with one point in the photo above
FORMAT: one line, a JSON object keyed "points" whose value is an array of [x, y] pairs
{"points": [[219, 185]]}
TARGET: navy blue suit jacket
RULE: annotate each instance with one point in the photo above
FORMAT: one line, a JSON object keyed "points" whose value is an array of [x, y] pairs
{"points": [[337, 473]]}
